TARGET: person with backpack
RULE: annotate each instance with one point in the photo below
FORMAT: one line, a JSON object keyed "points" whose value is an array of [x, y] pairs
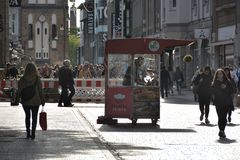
{"points": [[31, 95], [203, 80]]}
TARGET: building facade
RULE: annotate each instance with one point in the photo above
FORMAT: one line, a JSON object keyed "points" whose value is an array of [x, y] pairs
{"points": [[200, 29], [44, 31], [86, 53], [93, 31], [4, 32], [224, 32]]}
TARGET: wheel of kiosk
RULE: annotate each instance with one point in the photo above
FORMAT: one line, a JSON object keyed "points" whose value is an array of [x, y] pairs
{"points": [[154, 121], [134, 121]]}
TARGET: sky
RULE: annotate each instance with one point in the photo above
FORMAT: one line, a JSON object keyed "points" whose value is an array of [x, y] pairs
{"points": [[77, 3]]}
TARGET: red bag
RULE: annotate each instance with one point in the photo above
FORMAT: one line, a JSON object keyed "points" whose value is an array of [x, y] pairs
{"points": [[43, 120]]}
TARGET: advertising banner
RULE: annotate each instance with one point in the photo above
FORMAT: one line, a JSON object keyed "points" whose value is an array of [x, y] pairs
{"points": [[118, 18], [119, 102], [146, 102]]}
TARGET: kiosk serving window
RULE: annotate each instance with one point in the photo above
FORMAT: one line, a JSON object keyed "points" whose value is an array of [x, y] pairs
{"points": [[146, 70], [118, 65]]}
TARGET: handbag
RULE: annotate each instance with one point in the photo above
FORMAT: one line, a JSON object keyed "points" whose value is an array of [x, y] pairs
{"points": [[28, 92], [43, 119]]}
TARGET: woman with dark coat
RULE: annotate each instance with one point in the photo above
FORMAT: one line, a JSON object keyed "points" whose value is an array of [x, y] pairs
{"points": [[31, 105], [222, 91], [234, 85], [204, 80]]}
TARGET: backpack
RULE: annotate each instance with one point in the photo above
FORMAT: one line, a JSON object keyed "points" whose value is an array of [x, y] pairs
{"points": [[28, 93]]}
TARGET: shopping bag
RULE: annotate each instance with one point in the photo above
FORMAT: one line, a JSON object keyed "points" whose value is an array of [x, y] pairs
{"points": [[43, 120], [238, 100]]}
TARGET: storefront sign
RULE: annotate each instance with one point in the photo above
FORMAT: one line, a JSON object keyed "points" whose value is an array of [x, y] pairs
{"points": [[201, 33], [153, 46], [118, 18], [90, 22], [100, 16]]}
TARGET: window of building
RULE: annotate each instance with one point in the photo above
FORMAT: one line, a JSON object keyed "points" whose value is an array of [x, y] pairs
{"points": [[38, 55], [54, 31], [32, 1], [173, 4], [41, 1], [38, 31], [30, 31], [194, 7], [51, 1], [45, 31], [13, 17], [13, 27], [206, 5]]}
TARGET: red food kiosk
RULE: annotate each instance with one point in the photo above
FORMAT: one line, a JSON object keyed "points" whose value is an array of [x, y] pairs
{"points": [[132, 74]]}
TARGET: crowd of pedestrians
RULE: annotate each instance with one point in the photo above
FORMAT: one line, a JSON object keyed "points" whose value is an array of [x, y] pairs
{"points": [[209, 86], [86, 71], [218, 87]]}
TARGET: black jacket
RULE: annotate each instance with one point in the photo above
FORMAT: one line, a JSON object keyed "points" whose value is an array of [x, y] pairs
{"points": [[203, 82], [65, 76], [222, 94]]}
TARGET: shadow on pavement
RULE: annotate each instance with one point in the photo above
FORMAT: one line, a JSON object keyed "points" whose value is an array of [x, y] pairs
{"points": [[226, 141], [126, 146], [207, 125], [185, 98], [51, 144], [143, 127], [232, 125]]}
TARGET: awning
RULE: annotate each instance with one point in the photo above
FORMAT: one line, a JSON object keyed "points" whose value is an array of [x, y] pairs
{"points": [[219, 43]]}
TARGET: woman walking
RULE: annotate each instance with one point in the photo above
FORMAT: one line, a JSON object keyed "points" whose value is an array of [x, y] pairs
{"points": [[222, 98], [31, 104], [234, 85], [203, 80]]}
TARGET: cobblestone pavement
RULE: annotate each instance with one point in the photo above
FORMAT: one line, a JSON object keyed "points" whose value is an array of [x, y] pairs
{"points": [[73, 134], [68, 137], [179, 134]]}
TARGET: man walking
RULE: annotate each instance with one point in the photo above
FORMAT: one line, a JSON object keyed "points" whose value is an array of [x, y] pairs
{"points": [[67, 83]]}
